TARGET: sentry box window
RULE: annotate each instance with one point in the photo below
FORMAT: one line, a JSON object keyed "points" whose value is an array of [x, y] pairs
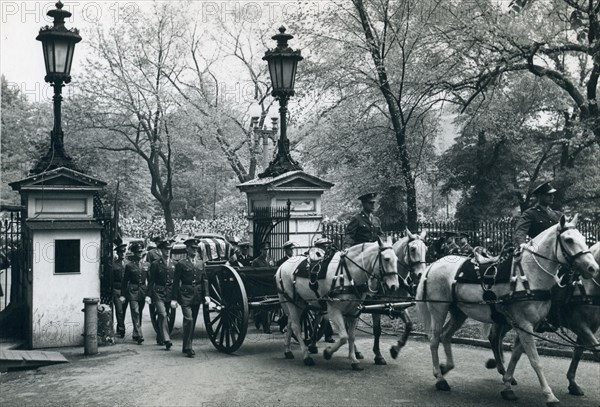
{"points": [[67, 256]]}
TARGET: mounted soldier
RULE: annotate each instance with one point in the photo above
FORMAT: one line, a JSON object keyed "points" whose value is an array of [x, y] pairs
{"points": [[538, 218], [450, 247], [364, 227], [288, 250], [464, 248]]}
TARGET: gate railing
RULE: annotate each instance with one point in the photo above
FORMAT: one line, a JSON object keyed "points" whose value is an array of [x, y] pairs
{"points": [[14, 255], [492, 234], [272, 224]]}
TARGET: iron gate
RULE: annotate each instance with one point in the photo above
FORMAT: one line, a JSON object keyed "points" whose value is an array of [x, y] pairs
{"points": [[272, 224]]}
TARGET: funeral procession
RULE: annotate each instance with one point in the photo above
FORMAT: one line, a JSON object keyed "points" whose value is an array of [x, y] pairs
{"points": [[316, 203]]}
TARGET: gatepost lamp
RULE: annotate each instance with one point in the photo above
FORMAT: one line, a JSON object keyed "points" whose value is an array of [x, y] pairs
{"points": [[58, 44], [282, 66]]}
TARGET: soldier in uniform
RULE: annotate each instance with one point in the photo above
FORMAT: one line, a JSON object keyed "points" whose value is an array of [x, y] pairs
{"points": [[117, 270], [288, 250], [134, 289], [154, 252], [241, 258], [264, 259], [189, 289], [450, 247], [538, 218], [464, 247], [160, 282], [364, 227]]}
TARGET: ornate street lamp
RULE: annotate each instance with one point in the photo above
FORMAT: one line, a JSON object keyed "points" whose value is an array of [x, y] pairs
{"points": [[282, 66], [58, 44]]}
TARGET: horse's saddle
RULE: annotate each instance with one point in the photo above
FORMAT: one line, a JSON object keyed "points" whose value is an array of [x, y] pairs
{"points": [[314, 269], [487, 272]]}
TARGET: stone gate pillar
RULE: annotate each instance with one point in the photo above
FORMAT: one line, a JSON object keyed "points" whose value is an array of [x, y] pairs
{"points": [[65, 256], [303, 191]]}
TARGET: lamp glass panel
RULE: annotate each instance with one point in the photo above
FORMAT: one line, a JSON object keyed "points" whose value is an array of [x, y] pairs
{"points": [[70, 57], [61, 53], [273, 72], [287, 71], [49, 55]]}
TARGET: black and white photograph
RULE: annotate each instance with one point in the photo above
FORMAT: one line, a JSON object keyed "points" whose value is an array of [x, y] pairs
{"points": [[300, 203]]}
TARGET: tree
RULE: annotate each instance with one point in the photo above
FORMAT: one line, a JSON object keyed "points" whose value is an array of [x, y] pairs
{"points": [[382, 54], [127, 94]]}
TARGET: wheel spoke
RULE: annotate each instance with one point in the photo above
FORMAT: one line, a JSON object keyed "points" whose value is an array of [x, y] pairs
{"points": [[217, 318], [218, 328]]}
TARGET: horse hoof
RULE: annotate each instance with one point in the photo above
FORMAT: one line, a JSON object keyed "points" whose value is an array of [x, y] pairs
{"points": [[491, 364], [445, 369], [442, 385], [575, 390], [309, 361], [357, 367], [513, 382], [327, 354], [394, 352], [508, 395], [313, 349], [289, 355], [380, 361], [359, 355]]}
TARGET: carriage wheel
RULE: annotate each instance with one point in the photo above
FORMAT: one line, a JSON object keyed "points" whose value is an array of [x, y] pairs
{"points": [[311, 332], [227, 325], [171, 315]]}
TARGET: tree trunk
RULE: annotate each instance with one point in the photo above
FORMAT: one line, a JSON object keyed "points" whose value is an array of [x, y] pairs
{"points": [[169, 224]]}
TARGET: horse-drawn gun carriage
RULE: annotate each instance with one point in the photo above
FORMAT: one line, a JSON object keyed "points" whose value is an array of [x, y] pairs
{"points": [[238, 292]]}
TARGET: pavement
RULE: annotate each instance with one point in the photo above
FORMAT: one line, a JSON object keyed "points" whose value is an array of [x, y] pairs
{"points": [[127, 374]]}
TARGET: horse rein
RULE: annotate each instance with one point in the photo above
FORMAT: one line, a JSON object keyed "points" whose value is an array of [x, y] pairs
{"points": [[570, 259], [382, 272]]}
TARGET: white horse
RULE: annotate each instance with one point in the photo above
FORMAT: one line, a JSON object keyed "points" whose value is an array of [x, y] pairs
{"points": [[580, 314], [350, 276], [411, 252], [525, 301]]}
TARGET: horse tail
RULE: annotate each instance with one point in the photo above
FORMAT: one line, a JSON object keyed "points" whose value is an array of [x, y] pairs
{"points": [[422, 308]]}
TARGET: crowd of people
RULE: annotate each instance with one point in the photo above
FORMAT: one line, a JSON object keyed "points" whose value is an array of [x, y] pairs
{"points": [[149, 228]]}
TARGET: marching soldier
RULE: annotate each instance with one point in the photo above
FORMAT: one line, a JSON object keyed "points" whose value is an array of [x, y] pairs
{"points": [[189, 287], [160, 281], [364, 227], [117, 270], [134, 289], [540, 217]]}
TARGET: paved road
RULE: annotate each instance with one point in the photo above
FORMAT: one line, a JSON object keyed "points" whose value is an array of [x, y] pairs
{"points": [[130, 375]]}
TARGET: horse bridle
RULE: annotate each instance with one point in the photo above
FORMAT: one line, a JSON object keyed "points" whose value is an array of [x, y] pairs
{"points": [[382, 273], [570, 258]]}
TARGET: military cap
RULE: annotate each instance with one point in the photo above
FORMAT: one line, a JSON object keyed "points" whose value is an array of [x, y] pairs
{"points": [[266, 244], [136, 248], [463, 234], [289, 243], [369, 197], [322, 241], [450, 234], [120, 247], [191, 242], [163, 244], [544, 188], [244, 243]]}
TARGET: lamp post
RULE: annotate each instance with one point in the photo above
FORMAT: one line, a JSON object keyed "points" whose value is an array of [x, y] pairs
{"points": [[282, 67], [58, 44]]}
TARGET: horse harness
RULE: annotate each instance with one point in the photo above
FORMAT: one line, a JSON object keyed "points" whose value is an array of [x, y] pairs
{"points": [[490, 275], [337, 283]]}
